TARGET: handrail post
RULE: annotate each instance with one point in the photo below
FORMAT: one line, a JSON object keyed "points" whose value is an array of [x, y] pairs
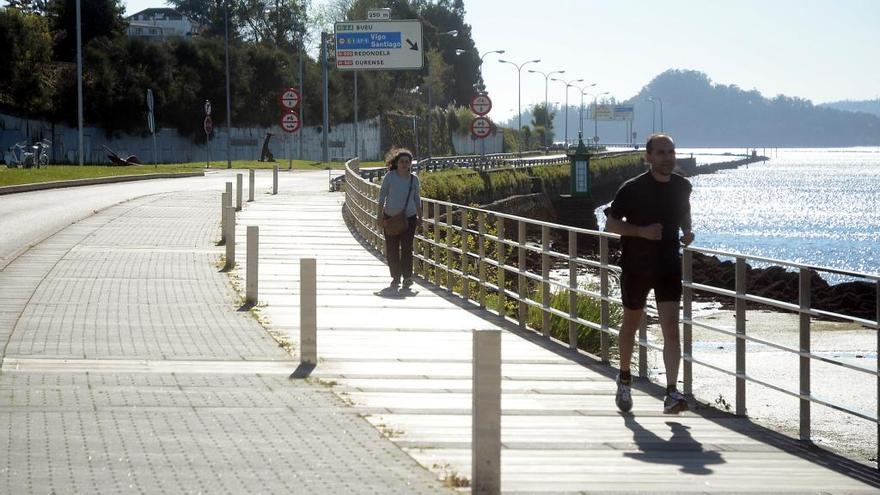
{"points": [[465, 281], [523, 308], [421, 246], [449, 228], [438, 211], [877, 308], [804, 327], [500, 252], [687, 271], [643, 346], [604, 312], [740, 307], [481, 246], [572, 290], [545, 281]]}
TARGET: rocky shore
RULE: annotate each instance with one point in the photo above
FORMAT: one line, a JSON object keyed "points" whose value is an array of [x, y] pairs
{"points": [[857, 299]]}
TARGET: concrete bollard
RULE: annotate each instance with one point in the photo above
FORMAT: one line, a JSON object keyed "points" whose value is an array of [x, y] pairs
{"points": [[253, 253], [251, 182], [308, 321], [223, 201], [228, 194], [239, 178], [486, 413], [230, 237], [275, 179]]}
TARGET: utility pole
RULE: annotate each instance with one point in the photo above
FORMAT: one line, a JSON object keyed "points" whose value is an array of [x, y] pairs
{"points": [[79, 80], [325, 144], [228, 98]]}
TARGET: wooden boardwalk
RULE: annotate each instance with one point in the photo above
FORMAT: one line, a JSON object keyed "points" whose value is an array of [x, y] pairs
{"points": [[404, 362]]}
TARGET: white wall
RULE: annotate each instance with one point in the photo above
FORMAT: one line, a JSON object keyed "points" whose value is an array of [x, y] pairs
{"points": [[246, 142]]}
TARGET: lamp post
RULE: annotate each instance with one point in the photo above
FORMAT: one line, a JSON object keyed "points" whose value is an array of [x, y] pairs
{"points": [[79, 83], [481, 87], [661, 111], [596, 121], [519, 90], [581, 110], [546, 110], [653, 115], [453, 33], [568, 84], [228, 97]]}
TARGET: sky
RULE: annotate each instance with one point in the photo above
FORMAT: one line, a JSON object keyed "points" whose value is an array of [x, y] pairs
{"points": [[821, 50]]}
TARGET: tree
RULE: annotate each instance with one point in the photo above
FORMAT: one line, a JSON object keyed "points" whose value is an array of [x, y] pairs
{"points": [[542, 118], [38, 7], [100, 18], [26, 61]]}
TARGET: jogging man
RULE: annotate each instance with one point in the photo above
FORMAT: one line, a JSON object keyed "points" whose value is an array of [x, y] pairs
{"points": [[648, 213]]}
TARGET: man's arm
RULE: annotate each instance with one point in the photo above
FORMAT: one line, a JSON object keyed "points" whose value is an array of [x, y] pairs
{"points": [[651, 232], [686, 228]]}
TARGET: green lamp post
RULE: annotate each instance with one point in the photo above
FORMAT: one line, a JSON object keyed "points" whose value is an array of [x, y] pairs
{"points": [[580, 170]]}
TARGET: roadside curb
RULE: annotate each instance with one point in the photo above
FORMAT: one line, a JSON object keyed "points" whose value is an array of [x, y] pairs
{"points": [[89, 182]]}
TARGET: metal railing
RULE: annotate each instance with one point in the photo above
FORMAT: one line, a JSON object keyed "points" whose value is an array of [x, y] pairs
{"points": [[464, 235]]}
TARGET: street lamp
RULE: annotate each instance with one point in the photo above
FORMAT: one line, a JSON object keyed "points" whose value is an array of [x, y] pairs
{"points": [[567, 85], [453, 33], [595, 121], [546, 110], [652, 98], [482, 87], [653, 115], [582, 89], [228, 98], [519, 87]]}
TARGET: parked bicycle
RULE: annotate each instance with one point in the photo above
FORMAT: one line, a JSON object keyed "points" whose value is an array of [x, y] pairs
{"points": [[27, 156]]}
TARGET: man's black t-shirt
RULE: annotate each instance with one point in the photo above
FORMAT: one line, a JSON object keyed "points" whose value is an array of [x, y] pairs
{"points": [[642, 201]]}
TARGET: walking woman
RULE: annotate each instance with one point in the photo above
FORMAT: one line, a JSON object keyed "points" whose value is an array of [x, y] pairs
{"points": [[399, 210]]}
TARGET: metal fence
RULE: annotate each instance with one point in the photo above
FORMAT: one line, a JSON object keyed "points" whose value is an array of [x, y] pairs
{"points": [[460, 245]]}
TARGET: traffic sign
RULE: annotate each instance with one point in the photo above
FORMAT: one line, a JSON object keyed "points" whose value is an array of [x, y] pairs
{"points": [[290, 121], [149, 99], [481, 104], [207, 107], [290, 98], [385, 45], [209, 125], [378, 14], [151, 122], [481, 127]]}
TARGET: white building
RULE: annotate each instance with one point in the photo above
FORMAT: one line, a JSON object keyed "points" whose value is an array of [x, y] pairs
{"points": [[159, 24]]}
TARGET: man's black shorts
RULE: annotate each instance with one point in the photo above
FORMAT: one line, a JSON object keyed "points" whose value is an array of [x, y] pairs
{"points": [[635, 285]]}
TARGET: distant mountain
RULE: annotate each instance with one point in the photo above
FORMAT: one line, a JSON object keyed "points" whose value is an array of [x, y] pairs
{"points": [[698, 112], [866, 106]]}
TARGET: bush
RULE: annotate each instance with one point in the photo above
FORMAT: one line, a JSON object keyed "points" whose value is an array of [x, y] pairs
{"points": [[588, 309]]}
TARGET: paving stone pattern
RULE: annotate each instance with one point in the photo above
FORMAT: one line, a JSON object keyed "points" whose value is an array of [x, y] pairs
{"points": [[137, 284]]}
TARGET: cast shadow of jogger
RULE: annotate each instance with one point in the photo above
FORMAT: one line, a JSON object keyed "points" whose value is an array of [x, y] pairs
{"points": [[680, 449]]}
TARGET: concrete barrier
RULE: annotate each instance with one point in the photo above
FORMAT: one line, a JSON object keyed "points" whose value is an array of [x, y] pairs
{"points": [[308, 321], [251, 182], [229, 193], [486, 413], [253, 252], [275, 179]]}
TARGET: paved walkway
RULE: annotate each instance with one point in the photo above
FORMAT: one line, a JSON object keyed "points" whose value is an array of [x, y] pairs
{"points": [[127, 367], [405, 363]]}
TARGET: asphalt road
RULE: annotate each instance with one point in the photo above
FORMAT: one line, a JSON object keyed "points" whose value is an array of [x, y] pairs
{"points": [[28, 218]]}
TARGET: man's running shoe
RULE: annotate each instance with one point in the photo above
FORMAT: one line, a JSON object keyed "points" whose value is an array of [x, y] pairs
{"points": [[674, 403], [623, 398]]}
